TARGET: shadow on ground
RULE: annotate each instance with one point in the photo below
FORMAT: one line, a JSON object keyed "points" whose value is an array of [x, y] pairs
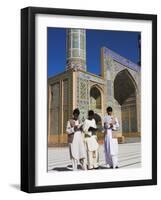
{"points": [[61, 169]]}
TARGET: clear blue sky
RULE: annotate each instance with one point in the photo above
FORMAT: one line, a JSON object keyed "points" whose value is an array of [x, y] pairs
{"points": [[124, 43]]}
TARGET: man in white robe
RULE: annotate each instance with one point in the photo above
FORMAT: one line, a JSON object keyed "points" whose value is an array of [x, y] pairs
{"points": [[76, 141], [91, 144], [110, 144]]}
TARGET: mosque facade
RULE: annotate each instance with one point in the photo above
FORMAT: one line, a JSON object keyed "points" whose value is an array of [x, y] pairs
{"points": [[117, 86]]}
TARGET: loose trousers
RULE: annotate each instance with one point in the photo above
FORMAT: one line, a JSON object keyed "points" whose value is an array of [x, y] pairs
{"points": [[111, 149]]}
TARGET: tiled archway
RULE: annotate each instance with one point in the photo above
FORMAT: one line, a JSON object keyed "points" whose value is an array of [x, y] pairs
{"points": [[125, 94]]}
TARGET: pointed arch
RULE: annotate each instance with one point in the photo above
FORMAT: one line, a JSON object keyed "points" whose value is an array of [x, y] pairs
{"points": [[125, 90], [124, 86], [95, 97]]}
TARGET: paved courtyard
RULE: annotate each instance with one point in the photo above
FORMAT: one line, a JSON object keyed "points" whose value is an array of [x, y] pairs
{"points": [[129, 157]]}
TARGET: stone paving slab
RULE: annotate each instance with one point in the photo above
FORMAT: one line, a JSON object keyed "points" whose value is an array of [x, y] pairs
{"points": [[129, 157]]}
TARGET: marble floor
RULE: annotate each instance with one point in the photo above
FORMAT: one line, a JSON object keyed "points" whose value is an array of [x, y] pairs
{"points": [[129, 157]]}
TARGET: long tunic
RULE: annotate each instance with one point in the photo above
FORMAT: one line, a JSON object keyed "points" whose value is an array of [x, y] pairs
{"points": [[110, 144], [91, 144], [76, 146]]}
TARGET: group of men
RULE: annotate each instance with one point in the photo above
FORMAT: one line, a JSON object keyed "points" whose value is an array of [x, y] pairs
{"points": [[83, 144]]}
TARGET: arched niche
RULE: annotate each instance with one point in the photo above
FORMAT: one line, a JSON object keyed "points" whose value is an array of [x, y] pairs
{"points": [[95, 98], [125, 93]]}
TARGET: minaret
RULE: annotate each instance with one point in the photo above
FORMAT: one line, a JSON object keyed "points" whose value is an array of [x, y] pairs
{"points": [[76, 49]]}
